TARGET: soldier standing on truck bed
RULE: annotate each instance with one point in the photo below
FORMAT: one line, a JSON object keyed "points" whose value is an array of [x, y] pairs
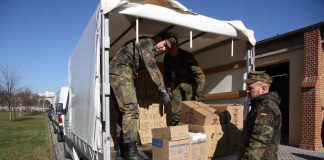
{"points": [[184, 79], [124, 69]]}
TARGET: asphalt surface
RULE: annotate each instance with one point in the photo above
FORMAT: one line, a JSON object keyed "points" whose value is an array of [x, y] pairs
{"points": [[57, 150]]}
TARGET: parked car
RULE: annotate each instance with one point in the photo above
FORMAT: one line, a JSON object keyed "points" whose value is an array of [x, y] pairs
{"points": [[60, 103], [50, 112]]}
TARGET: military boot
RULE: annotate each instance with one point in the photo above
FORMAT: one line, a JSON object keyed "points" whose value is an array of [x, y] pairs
{"points": [[120, 147], [131, 152]]}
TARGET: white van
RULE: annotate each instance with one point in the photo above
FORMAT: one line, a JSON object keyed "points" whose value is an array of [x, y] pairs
{"points": [[224, 49], [60, 103]]}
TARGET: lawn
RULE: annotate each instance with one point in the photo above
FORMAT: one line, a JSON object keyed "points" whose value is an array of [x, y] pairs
{"points": [[24, 139]]}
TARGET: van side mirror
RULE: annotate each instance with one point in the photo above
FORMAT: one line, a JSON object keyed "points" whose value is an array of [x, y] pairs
{"points": [[59, 108]]}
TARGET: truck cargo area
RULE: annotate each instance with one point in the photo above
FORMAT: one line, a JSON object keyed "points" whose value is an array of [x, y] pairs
{"points": [[224, 50]]}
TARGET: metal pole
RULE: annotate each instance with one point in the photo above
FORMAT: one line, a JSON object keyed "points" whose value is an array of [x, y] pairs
{"points": [[250, 61], [105, 87]]}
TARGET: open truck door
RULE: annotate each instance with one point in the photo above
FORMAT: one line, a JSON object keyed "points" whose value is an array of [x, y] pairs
{"points": [[224, 49]]}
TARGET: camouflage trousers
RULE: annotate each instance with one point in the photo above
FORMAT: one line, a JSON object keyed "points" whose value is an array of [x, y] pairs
{"points": [[181, 92], [125, 93]]}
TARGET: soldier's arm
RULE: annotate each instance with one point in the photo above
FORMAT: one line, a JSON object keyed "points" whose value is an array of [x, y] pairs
{"points": [[199, 75], [199, 78], [151, 66], [262, 132]]}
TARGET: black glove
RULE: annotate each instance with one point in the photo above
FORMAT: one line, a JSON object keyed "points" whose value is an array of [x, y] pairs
{"points": [[165, 99]]}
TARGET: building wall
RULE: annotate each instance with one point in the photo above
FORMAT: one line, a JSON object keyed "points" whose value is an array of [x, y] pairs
{"points": [[295, 59]]}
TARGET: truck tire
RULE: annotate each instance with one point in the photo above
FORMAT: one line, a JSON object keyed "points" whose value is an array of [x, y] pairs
{"points": [[65, 152], [59, 137]]}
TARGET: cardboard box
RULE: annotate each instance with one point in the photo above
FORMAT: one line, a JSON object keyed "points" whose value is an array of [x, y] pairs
{"points": [[145, 136], [163, 149], [233, 112], [171, 133], [198, 146], [112, 144], [146, 120], [159, 121], [154, 108], [214, 134], [198, 113]]}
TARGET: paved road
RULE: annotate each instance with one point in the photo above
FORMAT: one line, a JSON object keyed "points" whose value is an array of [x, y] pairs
{"points": [[56, 147], [290, 153]]}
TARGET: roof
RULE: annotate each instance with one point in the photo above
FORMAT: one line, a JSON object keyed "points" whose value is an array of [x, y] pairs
{"points": [[301, 30], [177, 14]]}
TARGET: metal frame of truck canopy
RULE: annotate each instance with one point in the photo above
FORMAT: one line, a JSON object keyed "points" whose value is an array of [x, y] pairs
{"points": [[118, 21]]}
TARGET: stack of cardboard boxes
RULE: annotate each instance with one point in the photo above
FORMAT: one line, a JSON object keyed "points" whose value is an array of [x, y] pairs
{"points": [[198, 146], [233, 120], [150, 118], [171, 143], [176, 143], [221, 123]]}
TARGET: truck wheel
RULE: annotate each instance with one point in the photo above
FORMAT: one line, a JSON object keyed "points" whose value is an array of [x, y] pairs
{"points": [[66, 153], [59, 137]]}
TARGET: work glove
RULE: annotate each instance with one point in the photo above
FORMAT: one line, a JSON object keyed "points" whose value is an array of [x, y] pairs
{"points": [[169, 90], [165, 99]]}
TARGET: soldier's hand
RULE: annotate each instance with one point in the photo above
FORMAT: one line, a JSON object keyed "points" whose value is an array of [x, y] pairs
{"points": [[165, 99]]}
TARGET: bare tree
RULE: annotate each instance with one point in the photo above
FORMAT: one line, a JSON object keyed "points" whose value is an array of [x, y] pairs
{"points": [[9, 81], [2, 104], [26, 97]]}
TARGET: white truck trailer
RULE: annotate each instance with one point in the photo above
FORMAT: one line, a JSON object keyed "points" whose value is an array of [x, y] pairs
{"points": [[224, 49]]}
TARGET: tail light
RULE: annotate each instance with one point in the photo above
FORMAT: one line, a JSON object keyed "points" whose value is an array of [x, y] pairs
{"points": [[60, 120]]}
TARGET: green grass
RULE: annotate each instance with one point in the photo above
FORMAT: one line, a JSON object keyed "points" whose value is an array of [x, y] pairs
{"points": [[24, 139]]}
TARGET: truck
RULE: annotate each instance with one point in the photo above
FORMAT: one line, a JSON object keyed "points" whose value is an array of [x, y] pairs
{"points": [[224, 49], [60, 103]]}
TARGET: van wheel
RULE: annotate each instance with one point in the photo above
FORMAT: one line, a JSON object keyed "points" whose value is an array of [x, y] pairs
{"points": [[55, 130], [59, 137], [65, 152]]}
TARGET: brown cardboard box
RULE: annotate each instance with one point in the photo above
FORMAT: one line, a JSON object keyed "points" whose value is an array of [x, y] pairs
{"points": [[198, 113], [154, 108], [171, 133], [146, 120], [145, 136], [163, 149], [214, 134], [198, 149], [159, 121], [233, 112], [112, 144]]}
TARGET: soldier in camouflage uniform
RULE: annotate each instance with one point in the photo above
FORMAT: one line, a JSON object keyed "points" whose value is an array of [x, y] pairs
{"points": [[261, 132], [124, 69], [184, 79]]}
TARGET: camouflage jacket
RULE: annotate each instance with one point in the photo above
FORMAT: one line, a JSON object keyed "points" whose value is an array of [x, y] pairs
{"points": [[133, 57], [183, 69], [262, 128]]}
